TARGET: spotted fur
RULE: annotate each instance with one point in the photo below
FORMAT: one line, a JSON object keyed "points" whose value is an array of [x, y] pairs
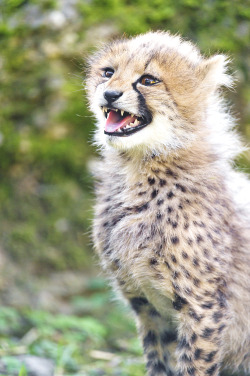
{"points": [[172, 217]]}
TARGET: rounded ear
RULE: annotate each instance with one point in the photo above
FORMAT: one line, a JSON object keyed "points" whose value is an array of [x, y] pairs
{"points": [[213, 72]]}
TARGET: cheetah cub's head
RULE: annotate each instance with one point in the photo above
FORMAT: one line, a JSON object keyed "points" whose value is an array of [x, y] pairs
{"points": [[152, 92]]}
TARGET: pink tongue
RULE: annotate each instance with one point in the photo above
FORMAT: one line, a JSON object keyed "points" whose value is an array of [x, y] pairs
{"points": [[115, 122]]}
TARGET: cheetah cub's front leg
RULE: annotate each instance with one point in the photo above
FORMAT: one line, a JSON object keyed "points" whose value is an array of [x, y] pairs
{"points": [[155, 336], [200, 335], [200, 331]]}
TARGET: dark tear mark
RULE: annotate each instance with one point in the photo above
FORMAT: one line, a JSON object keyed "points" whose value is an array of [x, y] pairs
{"points": [[143, 109]]}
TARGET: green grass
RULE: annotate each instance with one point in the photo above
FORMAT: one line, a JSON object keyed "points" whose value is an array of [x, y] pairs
{"points": [[100, 339]]}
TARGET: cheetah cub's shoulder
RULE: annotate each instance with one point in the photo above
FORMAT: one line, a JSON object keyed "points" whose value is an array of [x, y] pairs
{"points": [[172, 217]]}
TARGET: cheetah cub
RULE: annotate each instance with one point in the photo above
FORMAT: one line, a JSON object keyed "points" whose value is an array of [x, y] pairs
{"points": [[172, 217]]}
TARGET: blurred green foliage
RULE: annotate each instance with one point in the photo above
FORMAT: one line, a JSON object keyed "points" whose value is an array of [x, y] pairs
{"points": [[73, 342]]}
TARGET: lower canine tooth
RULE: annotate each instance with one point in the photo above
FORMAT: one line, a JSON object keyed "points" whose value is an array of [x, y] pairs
{"points": [[136, 122]]}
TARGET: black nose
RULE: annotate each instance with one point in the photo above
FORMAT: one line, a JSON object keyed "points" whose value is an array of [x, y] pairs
{"points": [[112, 96]]}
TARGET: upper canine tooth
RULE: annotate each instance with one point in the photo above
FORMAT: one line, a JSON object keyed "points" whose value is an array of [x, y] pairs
{"points": [[122, 112], [105, 109], [116, 109]]}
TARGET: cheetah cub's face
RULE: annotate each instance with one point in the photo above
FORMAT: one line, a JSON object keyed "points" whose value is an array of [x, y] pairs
{"points": [[151, 92]]}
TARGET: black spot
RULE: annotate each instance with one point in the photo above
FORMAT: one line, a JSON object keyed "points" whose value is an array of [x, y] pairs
{"points": [[167, 265], [180, 206], [142, 207], [181, 187], [170, 195], [184, 255], [221, 328], [207, 332], [210, 356], [199, 239], [142, 193], [186, 272], [195, 261], [186, 358], [158, 367], [150, 339], [179, 302], [194, 315], [173, 258], [153, 261], [170, 209], [209, 267], [169, 172], [162, 182], [176, 275], [193, 338], [174, 224], [175, 240], [154, 313], [168, 337], [137, 303], [160, 202], [152, 355], [197, 282], [207, 305], [183, 343], [154, 193], [158, 216], [197, 354], [186, 225], [117, 219], [212, 370], [191, 371], [151, 181]]}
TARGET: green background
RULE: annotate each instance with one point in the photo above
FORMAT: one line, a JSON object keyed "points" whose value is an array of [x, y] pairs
{"points": [[47, 266]]}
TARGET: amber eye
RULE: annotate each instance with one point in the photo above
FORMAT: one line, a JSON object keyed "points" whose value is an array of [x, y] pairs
{"points": [[108, 72], [148, 80]]}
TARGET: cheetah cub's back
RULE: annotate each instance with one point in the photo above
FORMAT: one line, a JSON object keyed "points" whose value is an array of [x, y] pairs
{"points": [[171, 216]]}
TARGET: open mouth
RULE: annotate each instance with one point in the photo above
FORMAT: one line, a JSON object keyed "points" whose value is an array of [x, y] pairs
{"points": [[121, 123]]}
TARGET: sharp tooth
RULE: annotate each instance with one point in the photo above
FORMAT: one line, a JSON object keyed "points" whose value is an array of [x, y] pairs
{"points": [[116, 109], [136, 122], [105, 109], [122, 112]]}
